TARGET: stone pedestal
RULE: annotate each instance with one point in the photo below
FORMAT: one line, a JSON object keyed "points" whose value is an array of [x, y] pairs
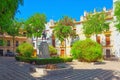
{"points": [[44, 50]]}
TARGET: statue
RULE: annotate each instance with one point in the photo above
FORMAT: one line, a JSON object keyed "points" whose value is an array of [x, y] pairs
{"points": [[43, 47], [44, 35]]}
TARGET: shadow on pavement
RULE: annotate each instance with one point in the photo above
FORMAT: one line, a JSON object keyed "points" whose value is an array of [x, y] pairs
{"points": [[85, 74], [10, 69]]}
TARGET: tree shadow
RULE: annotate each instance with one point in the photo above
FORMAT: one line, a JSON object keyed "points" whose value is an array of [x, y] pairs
{"points": [[13, 70], [84, 74], [10, 69], [99, 63]]}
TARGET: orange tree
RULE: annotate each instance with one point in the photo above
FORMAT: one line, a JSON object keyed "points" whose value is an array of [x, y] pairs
{"points": [[117, 14], [64, 29], [35, 25], [13, 30], [95, 23]]}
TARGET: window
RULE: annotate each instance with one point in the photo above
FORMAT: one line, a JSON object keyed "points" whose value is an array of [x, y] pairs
{"points": [[24, 33], [98, 39], [17, 43], [107, 41], [8, 50], [8, 42], [1, 52], [1, 33]]}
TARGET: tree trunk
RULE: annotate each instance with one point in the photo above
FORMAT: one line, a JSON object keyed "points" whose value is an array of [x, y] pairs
{"points": [[96, 37], [65, 48], [4, 44], [37, 44], [13, 42]]}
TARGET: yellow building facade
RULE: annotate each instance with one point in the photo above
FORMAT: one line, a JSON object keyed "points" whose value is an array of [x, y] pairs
{"points": [[6, 43]]}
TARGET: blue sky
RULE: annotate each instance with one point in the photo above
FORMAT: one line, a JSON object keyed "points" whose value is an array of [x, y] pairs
{"points": [[55, 9]]}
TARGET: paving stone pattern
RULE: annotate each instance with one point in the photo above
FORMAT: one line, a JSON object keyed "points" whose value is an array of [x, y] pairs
{"points": [[109, 70], [10, 69]]}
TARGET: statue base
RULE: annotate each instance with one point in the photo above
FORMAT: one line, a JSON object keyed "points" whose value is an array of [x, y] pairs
{"points": [[44, 50]]}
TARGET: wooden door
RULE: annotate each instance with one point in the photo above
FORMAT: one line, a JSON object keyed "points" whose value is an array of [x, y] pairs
{"points": [[62, 52], [108, 53]]}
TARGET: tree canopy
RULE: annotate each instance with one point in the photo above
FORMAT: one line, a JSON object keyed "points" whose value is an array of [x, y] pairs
{"points": [[13, 30], [117, 14], [8, 8], [95, 23], [64, 28], [62, 32], [67, 21], [35, 25]]}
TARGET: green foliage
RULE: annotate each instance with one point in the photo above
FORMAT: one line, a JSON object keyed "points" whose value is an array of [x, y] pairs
{"points": [[42, 61], [67, 21], [8, 8], [62, 32], [117, 14], [17, 50], [87, 50], [25, 50], [117, 9], [95, 23], [2, 42], [52, 50], [14, 28], [35, 25], [64, 28]]}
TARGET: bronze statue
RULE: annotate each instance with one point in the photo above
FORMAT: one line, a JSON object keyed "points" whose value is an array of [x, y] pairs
{"points": [[44, 35]]}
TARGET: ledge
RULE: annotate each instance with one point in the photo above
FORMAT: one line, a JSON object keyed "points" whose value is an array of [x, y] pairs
{"points": [[61, 70]]}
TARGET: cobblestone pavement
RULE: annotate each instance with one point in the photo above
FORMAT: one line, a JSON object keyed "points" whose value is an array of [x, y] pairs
{"points": [[107, 70], [10, 69]]}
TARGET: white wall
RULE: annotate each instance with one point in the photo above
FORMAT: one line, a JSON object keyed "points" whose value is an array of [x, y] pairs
{"points": [[79, 31]]}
